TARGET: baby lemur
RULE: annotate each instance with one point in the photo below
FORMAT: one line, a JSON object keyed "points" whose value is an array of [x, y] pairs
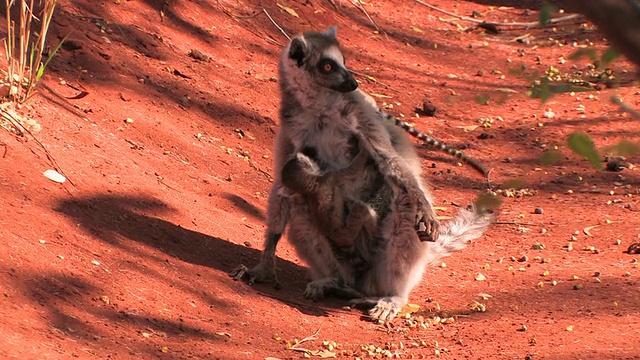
{"points": [[321, 108], [339, 217]]}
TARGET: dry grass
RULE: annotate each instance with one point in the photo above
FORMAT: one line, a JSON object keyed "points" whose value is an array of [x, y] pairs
{"points": [[25, 47]]}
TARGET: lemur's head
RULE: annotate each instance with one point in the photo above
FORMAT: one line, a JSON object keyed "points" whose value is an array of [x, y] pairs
{"points": [[314, 59]]}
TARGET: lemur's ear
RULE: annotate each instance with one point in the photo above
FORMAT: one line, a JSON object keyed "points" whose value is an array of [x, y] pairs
{"points": [[332, 31], [298, 50]]}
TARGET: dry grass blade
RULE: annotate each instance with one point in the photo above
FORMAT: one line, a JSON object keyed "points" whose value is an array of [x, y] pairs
{"points": [[24, 47], [359, 5], [309, 352], [532, 24], [276, 24], [587, 230], [36, 65], [296, 347]]}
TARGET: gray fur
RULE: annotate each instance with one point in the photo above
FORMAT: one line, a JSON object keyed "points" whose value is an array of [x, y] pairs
{"points": [[323, 112], [339, 218]]}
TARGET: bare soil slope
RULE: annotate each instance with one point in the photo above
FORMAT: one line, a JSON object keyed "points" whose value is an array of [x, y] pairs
{"points": [[129, 259]]}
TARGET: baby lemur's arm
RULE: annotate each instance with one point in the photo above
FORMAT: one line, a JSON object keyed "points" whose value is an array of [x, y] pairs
{"points": [[324, 191]]}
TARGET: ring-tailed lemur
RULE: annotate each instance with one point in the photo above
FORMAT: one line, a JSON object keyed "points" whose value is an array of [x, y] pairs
{"points": [[321, 108]]}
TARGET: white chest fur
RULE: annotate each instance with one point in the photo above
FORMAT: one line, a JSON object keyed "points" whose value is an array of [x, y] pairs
{"points": [[328, 132]]}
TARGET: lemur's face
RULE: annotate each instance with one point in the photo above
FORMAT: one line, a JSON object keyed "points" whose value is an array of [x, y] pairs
{"points": [[319, 55]]}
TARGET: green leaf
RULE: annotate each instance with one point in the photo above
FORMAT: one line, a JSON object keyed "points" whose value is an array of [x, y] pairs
{"points": [[584, 52], [540, 89], [609, 55], [40, 71], [483, 99], [625, 147], [550, 157], [487, 202], [514, 184], [583, 145], [51, 55], [544, 89], [545, 13]]}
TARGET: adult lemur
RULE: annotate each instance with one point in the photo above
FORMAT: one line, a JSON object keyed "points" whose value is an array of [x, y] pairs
{"points": [[321, 109]]}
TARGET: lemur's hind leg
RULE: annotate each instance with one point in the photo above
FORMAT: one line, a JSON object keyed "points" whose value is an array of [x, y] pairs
{"points": [[399, 263]]}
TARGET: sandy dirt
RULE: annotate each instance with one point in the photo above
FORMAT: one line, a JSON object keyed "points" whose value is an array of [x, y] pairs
{"points": [[129, 258]]}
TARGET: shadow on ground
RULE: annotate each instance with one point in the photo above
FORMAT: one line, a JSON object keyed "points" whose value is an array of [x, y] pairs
{"points": [[111, 218]]}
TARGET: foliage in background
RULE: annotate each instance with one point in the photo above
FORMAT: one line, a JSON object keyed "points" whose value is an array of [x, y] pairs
{"points": [[554, 82]]}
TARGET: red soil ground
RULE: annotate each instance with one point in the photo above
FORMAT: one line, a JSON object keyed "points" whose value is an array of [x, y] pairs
{"points": [[131, 260]]}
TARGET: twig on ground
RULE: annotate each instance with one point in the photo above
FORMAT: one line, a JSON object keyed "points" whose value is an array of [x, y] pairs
{"points": [[236, 17], [162, 10], [311, 337], [274, 23], [489, 179], [228, 12], [359, 6], [262, 171], [47, 153], [513, 24], [168, 186], [335, 6]]}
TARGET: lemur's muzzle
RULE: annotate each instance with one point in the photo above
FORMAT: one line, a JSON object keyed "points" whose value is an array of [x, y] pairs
{"points": [[349, 84]]}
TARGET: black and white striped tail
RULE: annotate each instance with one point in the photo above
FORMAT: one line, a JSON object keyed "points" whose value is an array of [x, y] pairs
{"points": [[436, 144]]}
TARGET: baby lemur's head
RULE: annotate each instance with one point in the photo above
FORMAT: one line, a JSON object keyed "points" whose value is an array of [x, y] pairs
{"points": [[314, 59]]}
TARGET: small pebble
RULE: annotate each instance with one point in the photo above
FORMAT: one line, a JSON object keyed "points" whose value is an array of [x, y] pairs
{"points": [[428, 108], [538, 210]]}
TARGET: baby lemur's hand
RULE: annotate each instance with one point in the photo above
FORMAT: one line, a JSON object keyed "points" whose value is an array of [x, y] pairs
{"points": [[427, 227]]}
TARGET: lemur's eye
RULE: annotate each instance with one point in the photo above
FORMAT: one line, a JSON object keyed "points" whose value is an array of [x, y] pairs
{"points": [[327, 67]]}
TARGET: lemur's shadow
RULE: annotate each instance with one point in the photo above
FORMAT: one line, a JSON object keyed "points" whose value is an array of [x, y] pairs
{"points": [[116, 219]]}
